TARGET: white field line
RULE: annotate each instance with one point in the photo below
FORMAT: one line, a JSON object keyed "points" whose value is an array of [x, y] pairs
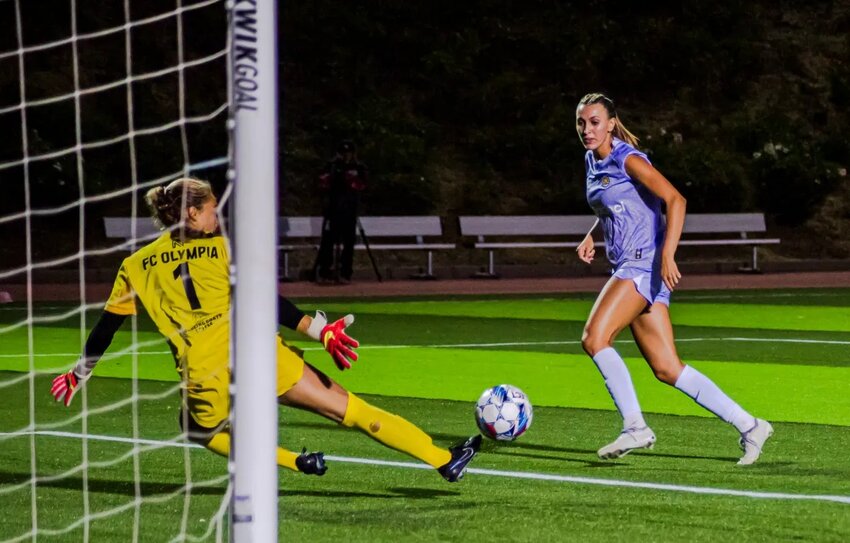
{"points": [[681, 295], [494, 473], [495, 344]]}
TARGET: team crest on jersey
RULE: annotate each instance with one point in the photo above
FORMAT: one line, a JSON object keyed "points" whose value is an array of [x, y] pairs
{"points": [[606, 181]]}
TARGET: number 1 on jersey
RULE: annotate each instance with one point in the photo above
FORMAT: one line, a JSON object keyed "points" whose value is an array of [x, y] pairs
{"points": [[182, 272]]}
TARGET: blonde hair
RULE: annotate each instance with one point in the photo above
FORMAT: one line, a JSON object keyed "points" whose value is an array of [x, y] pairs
{"points": [[620, 131], [168, 204]]}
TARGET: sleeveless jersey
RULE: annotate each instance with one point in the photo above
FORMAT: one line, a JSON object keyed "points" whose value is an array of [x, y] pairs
{"points": [[183, 285], [630, 214]]}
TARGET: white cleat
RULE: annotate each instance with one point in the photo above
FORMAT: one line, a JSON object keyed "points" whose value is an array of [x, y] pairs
{"points": [[752, 441], [628, 440]]}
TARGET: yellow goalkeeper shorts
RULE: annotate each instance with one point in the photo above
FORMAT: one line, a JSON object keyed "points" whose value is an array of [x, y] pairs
{"points": [[207, 379]]}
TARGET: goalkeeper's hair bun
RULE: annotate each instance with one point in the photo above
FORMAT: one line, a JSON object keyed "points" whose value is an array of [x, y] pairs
{"points": [[167, 204]]}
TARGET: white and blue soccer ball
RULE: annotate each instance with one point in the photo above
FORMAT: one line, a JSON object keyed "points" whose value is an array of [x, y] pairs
{"points": [[503, 413]]}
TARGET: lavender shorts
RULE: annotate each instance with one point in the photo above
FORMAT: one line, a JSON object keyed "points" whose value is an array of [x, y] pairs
{"points": [[647, 282]]}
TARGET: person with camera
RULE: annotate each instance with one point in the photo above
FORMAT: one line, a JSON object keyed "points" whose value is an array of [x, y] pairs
{"points": [[343, 180]]}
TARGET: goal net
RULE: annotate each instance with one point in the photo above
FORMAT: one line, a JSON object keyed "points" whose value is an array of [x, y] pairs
{"points": [[98, 103]]}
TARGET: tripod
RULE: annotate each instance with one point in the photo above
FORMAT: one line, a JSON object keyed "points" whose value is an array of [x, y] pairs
{"points": [[368, 250], [336, 251]]}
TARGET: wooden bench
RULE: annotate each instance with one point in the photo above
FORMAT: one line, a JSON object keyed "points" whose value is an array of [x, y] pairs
{"points": [[554, 228], [121, 227], [700, 226], [297, 233], [384, 233]]}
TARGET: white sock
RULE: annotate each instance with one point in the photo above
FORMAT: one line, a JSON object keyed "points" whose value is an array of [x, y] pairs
{"points": [[620, 387], [704, 392]]}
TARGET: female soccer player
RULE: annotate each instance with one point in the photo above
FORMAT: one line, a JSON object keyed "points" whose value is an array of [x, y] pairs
{"points": [[626, 193], [182, 280]]}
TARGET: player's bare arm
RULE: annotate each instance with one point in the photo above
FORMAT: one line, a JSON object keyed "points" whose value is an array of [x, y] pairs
{"points": [[643, 171], [585, 249]]}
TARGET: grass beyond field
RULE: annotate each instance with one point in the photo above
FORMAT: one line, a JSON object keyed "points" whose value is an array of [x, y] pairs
{"points": [[781, 354]]}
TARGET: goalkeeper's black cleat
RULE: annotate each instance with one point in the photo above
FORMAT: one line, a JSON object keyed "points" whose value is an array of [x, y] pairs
{"points": [[311, 463], [462, 454]]}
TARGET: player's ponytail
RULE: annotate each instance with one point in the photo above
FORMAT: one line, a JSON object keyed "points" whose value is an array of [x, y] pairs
{"points": [[168, 204], [620, 131]]}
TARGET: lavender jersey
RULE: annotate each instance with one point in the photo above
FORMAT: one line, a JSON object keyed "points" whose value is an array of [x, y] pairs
{"points": [[630, 213]]}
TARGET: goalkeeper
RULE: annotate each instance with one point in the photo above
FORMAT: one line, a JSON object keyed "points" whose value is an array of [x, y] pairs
{"points": [[182, 280]]}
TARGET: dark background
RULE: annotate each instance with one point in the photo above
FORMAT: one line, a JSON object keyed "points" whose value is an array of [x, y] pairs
{"points": [[457, 107]]}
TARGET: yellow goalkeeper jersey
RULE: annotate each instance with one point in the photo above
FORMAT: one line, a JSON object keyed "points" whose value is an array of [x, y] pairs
{"points": [[183, 285]]}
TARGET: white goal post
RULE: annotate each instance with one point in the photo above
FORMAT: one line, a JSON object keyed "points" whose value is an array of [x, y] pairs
{"points": [[254, 172]]}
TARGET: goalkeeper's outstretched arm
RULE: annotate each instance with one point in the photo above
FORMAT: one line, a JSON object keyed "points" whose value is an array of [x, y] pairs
{"points": [[100, 337], [333, 336]]}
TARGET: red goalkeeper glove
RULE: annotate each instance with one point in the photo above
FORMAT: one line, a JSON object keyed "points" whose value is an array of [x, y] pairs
{"points": [[334, 339], [339, 344], [65, 386]]}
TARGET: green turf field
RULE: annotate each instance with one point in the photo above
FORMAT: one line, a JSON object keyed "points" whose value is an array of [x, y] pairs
{"points": [[784, 355]]}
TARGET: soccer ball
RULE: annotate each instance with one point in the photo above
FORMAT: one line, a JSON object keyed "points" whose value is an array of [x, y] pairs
{"points": [[503, 413]]}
